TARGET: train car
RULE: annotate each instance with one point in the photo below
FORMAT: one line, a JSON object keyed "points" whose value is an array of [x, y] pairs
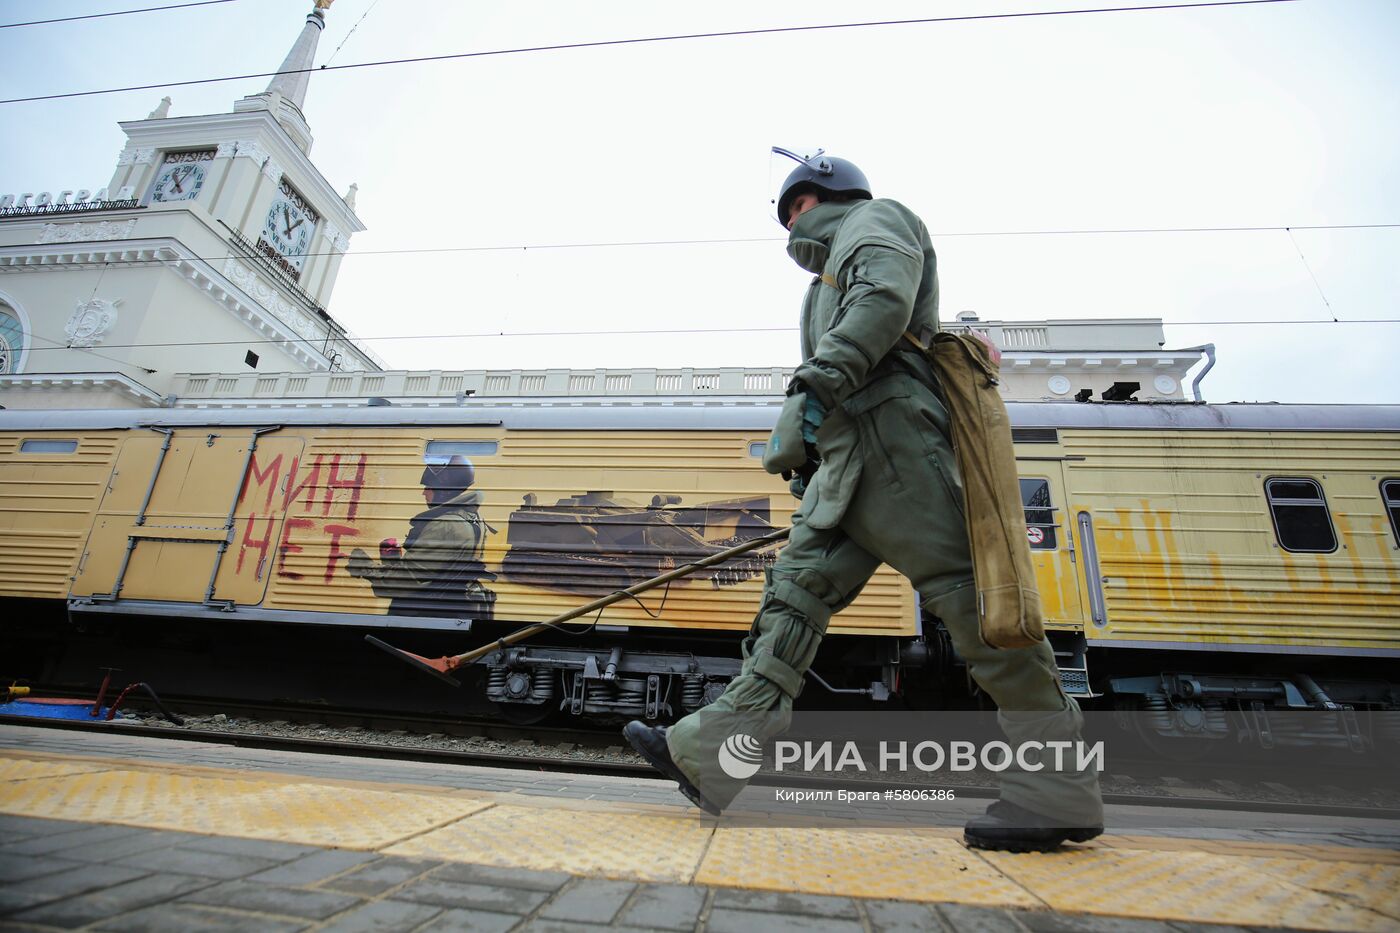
{"points": [[1198, 562]]}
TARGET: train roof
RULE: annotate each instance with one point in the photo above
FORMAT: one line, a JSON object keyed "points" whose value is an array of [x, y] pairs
{"points": [[708, 414]]}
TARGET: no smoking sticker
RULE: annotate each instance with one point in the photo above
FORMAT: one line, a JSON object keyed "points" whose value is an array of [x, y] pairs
{"points": [[1035, 535]]}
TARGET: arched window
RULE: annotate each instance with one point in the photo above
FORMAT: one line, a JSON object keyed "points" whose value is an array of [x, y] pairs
{"points": [[11, 340]]}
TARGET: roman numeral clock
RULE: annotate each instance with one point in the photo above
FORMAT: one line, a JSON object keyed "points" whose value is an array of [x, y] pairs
{"points": [[181, 176], [288, 227]]}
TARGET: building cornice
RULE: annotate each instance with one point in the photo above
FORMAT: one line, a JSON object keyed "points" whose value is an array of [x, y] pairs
{"points": [[237, 288], [175, 132], [119, 383]]}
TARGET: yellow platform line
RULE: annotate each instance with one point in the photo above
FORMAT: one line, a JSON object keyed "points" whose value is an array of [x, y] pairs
{"points": [[1196, 881]]}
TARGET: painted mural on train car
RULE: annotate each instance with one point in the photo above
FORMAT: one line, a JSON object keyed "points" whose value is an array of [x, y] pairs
{"points": [[333, 522]]}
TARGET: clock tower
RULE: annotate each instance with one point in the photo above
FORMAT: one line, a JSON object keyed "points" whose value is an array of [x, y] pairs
{"points": [[215, 247]]}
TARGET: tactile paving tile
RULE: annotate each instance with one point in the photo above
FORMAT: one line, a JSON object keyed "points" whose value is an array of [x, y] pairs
{"points": [[314, 814], [608, 843], [24, 769], [1375, 887], [907, 865], [1191, 886]]}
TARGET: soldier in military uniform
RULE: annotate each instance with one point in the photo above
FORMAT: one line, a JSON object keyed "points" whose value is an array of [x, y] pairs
{"points": [[439, 570], [880, 484]]}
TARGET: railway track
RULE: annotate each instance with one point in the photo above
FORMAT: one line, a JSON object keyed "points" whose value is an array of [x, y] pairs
{"points": [[600, 752]]}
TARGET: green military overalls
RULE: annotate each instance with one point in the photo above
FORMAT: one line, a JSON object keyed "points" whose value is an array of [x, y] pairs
{"points": [[888, 490]]}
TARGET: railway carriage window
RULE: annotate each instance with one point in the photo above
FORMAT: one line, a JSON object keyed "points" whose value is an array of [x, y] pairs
{"points": [[443, 451], [48, 447], [1300, 515], [757, 448], [1040, 514], [1390, 495]]}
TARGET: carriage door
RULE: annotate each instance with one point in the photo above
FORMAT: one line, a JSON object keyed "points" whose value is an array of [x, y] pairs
{"points": [[1051, 536], [181, 508]]}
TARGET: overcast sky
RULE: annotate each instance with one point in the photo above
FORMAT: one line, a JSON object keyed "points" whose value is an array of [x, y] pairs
{"points": [[1280, 114]]}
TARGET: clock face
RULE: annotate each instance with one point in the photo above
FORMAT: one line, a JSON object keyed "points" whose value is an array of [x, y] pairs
{"points": [[181, 176], [288, 230]]}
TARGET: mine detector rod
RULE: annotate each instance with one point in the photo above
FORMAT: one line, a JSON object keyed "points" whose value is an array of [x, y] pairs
{"points": [[443, 667]]}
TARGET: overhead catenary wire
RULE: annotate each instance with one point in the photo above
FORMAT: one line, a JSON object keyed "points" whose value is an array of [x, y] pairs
{"points": [[723, 241], [641, 40], [680, 331], [1311, 273], [148, 9]]}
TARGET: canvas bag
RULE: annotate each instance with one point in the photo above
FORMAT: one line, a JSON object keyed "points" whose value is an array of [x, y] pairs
{"points": [[1009, 613]]}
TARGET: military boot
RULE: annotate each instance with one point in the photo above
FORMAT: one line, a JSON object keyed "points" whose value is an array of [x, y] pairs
{"points": [[650, 743], [1012, 828]]}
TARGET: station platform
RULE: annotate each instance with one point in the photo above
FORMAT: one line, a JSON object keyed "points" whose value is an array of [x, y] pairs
{"points": [[120, 833]]}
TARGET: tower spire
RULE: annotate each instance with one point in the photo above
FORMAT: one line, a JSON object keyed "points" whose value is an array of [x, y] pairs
{"points": [[286, 93]]}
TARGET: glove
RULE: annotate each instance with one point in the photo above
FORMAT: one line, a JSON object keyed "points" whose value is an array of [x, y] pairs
{"points": [[786, 448]]}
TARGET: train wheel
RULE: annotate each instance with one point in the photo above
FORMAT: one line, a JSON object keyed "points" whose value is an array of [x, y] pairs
{"points": [[524, 714]]}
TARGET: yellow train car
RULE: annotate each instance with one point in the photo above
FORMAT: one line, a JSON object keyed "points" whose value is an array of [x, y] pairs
{"points": [[1188, 555]]}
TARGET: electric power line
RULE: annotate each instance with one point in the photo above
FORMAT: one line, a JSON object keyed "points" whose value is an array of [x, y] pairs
{"points": [[149, 9], [650, 331], [1311, 274], [680, 37], [723, 241]]}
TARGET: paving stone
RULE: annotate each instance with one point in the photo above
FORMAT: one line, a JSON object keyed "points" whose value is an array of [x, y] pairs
{"points": [[185, 918], [782, 902], [728, 920], [965, 919], [505, 877], [80, 880], [13, 899], [23, 867], [901, 917], [470, 921], [488, 897], [314, 868], [664, 907], [194, 862], [384, 917], [589, 900], [541, 925], [13, 827], [80, 911], [141, 841], [1044, 922], [379, 876], [271, 899], [260, 848], [58, 842]]}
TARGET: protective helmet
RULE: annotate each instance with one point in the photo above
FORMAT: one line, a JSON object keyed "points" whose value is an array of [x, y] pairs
{"points": [[449, 479], [823, 174]]}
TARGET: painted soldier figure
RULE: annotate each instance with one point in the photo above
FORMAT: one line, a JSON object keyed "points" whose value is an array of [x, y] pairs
{"points": [[439, 569]]}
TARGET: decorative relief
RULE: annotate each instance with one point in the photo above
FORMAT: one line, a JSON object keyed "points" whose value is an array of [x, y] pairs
{"points": [[338, 240], [82, 232], [226, 150], [91, 321], [249, 149], [139, 156], [294, 317], [272, 170]]}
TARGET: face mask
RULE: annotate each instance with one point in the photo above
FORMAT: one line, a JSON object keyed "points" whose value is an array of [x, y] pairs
{"points": [[809, 244], [809, 254]]}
